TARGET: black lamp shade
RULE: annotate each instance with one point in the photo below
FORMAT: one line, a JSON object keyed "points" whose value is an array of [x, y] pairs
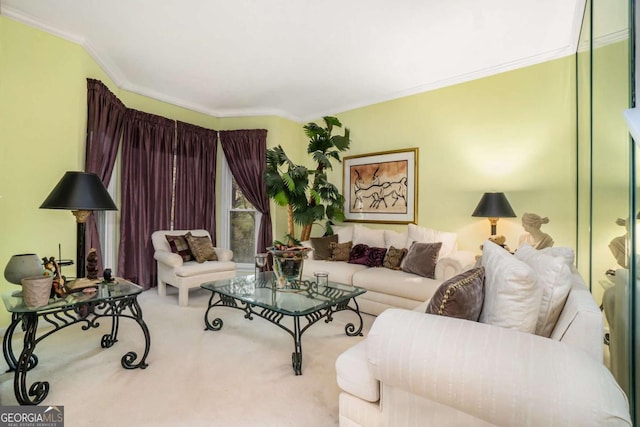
{"points": [[80, 191], [494, 205]]}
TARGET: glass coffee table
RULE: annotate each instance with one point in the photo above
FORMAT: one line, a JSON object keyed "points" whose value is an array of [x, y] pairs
{"points": [[258, 295]]}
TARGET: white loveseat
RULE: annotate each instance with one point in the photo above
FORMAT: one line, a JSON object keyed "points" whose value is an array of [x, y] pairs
{"points": [[172, 270], [388, 288], [418, 369]]}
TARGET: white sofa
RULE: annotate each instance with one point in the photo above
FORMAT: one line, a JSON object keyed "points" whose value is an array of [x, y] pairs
{"points": [[418, 369], [172, 270], [388, 288]]}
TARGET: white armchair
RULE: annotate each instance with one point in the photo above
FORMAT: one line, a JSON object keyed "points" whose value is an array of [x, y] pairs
{"points": [[172, 270]]}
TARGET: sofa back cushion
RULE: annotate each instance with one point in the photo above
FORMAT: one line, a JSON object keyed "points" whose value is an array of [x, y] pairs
{"points": [[512, 297], [344, 232], [416, 233], [368, 236]]}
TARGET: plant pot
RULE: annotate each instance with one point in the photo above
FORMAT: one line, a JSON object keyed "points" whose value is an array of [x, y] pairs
{"points": [[287, 264], [36, 290]]}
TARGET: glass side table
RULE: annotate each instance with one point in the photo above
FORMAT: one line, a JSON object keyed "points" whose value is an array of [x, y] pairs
{"points": [[114, 300]]}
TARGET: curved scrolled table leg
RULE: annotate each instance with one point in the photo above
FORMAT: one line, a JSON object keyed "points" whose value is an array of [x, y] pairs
{"points": [[350, 329], [110, 339], [128, 359], [38, 390], [217, 323], [7, 346]]}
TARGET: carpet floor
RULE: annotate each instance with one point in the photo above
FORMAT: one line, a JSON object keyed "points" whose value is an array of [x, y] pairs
{"points": [[238, 376]]}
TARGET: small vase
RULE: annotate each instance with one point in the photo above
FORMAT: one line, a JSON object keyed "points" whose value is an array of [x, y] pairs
{"points": [[36, 290], [22, 265]]}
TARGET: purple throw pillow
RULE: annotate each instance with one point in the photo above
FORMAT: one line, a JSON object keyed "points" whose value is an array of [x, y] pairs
{"points": [[359, 254], [376, 257]]}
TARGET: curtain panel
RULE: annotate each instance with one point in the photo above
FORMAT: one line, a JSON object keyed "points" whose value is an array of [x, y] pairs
{"points": [[147, 177], [195, 179], [245, 151], [105, 121]]}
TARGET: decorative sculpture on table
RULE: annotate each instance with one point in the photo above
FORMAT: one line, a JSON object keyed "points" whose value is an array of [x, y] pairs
{"points": [[619, 246], [52, 269], [534, 236], [92, 264]]}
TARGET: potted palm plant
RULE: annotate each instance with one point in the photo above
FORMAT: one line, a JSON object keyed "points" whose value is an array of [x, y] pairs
{"points": [[307, 193]]}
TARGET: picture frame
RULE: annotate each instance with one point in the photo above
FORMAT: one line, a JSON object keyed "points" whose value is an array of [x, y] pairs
{"points": [[381, 187]]}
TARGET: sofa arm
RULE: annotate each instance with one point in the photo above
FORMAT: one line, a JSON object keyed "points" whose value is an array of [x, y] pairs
{"points": [[503, 376], [168, 258], [454, 264], [224, 254]]}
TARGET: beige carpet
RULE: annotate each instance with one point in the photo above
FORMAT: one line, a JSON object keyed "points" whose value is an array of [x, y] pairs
{"points": [[239, 376]]}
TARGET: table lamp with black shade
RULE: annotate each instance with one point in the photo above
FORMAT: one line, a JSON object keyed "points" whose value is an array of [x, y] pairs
{"points": [[494, 206], [81, 193]]}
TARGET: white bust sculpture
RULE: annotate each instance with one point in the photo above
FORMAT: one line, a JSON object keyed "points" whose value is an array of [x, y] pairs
{"points": [[618, 245], [534, 236]]}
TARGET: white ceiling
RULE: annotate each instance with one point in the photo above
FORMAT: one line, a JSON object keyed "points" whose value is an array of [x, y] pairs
{"points": [[303, 59]]}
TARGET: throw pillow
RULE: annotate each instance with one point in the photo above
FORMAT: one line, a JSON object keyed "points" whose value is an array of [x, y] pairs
{"points": [[511, 295], [179, 245], [339, 251], [460, 297], [201, 248], [320, 246], [375, 257], [421, 259], [393, 258], [554, 277], [359, 254], [416, 233]]}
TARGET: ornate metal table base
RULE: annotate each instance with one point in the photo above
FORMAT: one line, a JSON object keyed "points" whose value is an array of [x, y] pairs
{"points": [[86, 313], [277, 317]]}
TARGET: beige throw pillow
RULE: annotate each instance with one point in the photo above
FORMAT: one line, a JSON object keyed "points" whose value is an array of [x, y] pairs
{"points": [[511, 295], [393, 258], [340, 251], [554, 277], [201, 248]]}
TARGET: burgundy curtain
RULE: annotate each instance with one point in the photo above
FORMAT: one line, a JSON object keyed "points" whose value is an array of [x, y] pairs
{"points": [[147, 169], [105, 119], [245, 151], [195, 194]]}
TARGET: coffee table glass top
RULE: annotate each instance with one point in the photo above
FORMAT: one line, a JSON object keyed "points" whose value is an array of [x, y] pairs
{"points": [[14, 303], [261, 291]]}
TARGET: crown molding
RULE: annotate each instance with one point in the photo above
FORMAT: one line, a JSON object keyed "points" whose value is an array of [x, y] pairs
{"points": [[110, 69], [461, 78]]}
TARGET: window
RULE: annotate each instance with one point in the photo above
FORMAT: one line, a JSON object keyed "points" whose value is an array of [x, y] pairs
{"points": [[239, 221]]}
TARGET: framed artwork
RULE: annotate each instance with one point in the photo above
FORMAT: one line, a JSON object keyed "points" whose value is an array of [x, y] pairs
{"points": [[381, 187]]}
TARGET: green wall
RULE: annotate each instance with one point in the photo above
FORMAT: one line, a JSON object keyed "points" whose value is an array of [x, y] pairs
{"points": [[513, 132]]}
